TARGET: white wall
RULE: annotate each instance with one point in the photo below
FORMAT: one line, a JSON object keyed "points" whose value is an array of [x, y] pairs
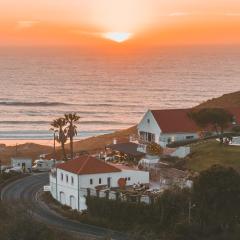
{"points": [[19, 163], [69, 189], [134, 175], [181, 152], [178, 136], [68, 192], [151, 127]]}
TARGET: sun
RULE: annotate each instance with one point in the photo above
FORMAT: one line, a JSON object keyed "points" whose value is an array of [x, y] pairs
{"points": [[117, 36]]}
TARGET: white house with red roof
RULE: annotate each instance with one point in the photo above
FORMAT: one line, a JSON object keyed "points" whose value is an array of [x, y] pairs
{"points": [[172, 125], [166, 126], [69, 181]]}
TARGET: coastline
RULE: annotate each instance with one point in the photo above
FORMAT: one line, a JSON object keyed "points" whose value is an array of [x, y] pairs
{"points": [[33, 148], [14, 142]]}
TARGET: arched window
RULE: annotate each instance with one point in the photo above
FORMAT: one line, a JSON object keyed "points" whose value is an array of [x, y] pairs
{"points": [[72, 202], [62, 198]]}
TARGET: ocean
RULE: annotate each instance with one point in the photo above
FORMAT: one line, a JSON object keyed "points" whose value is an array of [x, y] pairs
{"points": [[110, 91]]}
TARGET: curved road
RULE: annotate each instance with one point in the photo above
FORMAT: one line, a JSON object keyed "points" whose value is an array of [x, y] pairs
{"points": [[26, 191]]}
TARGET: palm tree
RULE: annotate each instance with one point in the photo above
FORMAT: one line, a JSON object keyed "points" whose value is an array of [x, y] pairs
{"points": [[71, 120], [59, 124]]}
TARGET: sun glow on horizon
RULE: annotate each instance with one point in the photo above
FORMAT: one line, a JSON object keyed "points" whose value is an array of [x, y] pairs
{"points": [[117, 36], [96, 23]]}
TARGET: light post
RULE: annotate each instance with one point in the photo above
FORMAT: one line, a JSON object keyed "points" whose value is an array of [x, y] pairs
{"points": [[190, 207], [54, 144]]}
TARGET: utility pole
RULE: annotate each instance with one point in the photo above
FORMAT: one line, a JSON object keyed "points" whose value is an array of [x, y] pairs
{"points": [[54, 145], [16, 150], [190, 207]]}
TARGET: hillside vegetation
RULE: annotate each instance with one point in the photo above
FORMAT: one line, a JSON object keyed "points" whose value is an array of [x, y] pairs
{"points": [[30, 150], [209, 153], [206, 154], [226, 100], [94, 144]]}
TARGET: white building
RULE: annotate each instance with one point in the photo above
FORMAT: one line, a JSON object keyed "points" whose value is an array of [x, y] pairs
{"points": [[70, 181], [22, 163], [166, 126]]}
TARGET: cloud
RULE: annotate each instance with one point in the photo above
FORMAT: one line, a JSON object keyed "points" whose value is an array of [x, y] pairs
{"points": [[26, 24]]}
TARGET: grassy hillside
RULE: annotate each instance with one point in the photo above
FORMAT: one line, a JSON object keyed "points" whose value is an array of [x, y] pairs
{"points": [[227, 100], [212, 152], [206, 154], [24, 150], [94, 144]]}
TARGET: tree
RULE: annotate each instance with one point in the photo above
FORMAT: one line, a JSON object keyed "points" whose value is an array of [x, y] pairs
{"points": [[216, 194], [154, 149], [216, 118], [71, 119], [59, 125]]}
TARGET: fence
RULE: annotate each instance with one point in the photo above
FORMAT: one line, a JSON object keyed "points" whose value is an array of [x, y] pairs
{"points": [[120, 196]]}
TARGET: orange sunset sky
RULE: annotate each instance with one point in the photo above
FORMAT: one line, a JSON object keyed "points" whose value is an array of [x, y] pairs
{"points": [[132, 22]]}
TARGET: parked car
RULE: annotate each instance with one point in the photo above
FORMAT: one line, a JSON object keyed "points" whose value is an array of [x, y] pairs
{"points": [[43, 165]]}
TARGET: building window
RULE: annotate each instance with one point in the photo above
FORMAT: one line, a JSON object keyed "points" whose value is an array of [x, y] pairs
{"points": [[189, 137], [100, 181], [72, 180], [66, 178], [146, 136], [142, 135], [151, 137], [91, 181], [148, 120], [129, 178], [61, 176]]}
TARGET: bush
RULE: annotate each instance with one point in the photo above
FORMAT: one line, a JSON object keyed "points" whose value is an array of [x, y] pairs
{"points": [[154, 149], [18, 224], [6, 176]]}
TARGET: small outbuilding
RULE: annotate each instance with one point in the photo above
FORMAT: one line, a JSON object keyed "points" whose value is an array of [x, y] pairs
{"points": [[129, 151], [21, 162]]}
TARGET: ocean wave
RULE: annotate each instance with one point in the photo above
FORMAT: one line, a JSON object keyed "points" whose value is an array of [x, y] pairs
{"points": [[24, 122], [106, 123], [34, 104], [120, 105], [46, 135]]}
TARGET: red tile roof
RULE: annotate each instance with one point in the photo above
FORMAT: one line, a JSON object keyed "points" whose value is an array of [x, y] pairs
{"points": [[177, 120], [174, 120], [87, 165]]}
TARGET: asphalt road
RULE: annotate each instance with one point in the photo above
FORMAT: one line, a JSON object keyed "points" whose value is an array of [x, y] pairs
{"points": [[26, 190]]}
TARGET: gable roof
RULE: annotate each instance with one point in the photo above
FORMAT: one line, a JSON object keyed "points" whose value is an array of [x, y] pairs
{"points": [[177, 120], [174, 120], [126, 148], [87, 165]]}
